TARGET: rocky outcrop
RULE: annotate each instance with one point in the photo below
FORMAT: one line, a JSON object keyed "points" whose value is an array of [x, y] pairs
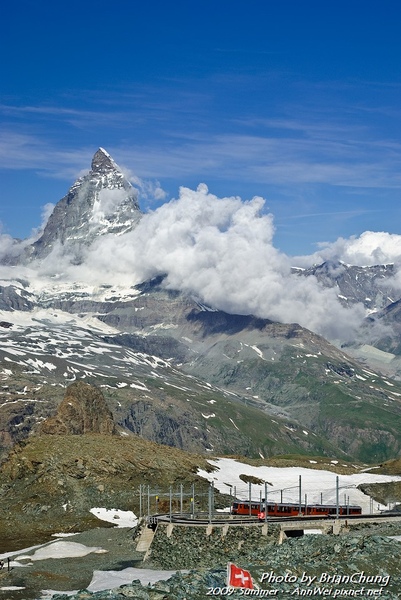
{"points": [[83, 410]]}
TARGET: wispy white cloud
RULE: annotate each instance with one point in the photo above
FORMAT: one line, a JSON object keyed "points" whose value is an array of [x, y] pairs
{"points": [[174, 130], [28, 151], [77, 117], [336, 213], [272, 160]]}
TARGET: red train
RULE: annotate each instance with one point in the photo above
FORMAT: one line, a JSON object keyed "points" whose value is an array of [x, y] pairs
{"points": [[287, 509]]}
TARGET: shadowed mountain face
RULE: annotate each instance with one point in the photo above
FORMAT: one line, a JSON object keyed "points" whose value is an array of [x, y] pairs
{"points": [[101, 202]]}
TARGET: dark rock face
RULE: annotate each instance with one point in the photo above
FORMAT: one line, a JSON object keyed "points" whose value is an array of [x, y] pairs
{"points": [[99, 203], [83, 410], [173, 427]]}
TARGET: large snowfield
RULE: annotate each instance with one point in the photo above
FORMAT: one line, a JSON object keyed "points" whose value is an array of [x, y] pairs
{"points": [[317, 484]]}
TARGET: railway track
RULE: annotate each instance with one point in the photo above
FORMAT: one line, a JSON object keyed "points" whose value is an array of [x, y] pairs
{"points": [[204, 520]]}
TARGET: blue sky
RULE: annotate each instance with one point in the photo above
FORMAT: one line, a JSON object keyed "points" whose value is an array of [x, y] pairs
{"points": [[297, 102]]}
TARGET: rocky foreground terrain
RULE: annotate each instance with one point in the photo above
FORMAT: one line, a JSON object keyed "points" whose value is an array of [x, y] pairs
{"points": [[367, 552], [372, 560], [79, 459]]}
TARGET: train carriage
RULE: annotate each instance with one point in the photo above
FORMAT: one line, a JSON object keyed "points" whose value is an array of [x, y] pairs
{"points": [[288, 509]]}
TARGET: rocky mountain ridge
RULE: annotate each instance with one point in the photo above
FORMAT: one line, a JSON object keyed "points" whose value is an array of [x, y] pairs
{"points": [[371, 285]]}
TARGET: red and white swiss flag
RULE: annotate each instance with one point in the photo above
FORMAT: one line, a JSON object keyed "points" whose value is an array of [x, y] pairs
{"points": [[237, 577]]}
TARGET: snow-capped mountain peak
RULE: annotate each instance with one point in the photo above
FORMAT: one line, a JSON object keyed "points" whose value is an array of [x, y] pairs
{"points": [[104, 170], [102, 160], [102, 202]]}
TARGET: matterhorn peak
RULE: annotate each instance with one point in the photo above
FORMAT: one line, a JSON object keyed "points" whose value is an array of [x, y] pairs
{"points": [[103, 162], [102, 202]]}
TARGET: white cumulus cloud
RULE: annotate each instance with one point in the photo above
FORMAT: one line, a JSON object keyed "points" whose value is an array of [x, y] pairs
{"points": [[221, 250], [368, 249]]}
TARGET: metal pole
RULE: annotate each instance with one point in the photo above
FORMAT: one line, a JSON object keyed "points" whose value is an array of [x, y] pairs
{"points": [[181, 498], [250, 496], [265, 501], [140, 500], [210, 503], [171, 503], [193, 500], [212, 499], [337, 497], [321, 498], [300, 496], [281, 496], [148, 500]]}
